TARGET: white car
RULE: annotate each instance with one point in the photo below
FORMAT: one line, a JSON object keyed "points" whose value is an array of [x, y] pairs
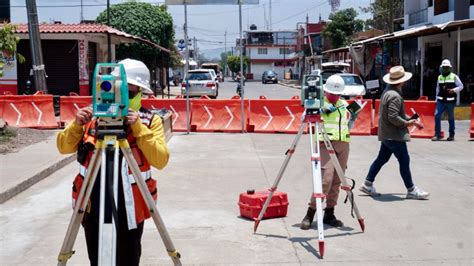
{"points": [[201, 82], [354, 85]]}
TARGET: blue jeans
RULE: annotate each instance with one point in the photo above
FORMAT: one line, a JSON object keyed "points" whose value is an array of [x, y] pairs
{"points": [[440, 108], [399, 148]]}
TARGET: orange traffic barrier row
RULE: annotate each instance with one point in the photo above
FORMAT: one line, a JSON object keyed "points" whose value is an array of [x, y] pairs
{"points": [[471, 131], [68, 106], [275, 116], [363, 124], [218, 115], [425, 109], [34, 111], [176, 106]]}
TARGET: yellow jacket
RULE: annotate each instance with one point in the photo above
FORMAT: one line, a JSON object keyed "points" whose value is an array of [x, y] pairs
{"points": [[151, 141]]}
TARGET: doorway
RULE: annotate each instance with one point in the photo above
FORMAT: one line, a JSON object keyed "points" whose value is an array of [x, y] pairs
{"points": [[433, 58]]}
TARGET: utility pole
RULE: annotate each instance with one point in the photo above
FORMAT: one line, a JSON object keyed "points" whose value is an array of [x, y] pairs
{"points": [[186, 69], [109, 44], [270, 11], [195, 54], [82, 11], [284, 56], [35, 47], [225, 52]]}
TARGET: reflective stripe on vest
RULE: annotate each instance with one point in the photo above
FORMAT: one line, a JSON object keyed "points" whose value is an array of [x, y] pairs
{"points": [[145, 174], [336, 123]]}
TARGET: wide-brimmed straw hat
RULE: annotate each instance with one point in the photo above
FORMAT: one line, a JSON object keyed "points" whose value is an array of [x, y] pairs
{"points": [[397, 75]]}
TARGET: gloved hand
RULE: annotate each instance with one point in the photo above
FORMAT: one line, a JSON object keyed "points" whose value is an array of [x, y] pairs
{"points": [[328, 108]]}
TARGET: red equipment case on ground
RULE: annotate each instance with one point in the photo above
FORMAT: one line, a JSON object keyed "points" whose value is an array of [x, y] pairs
{"points": [[251, 203]]}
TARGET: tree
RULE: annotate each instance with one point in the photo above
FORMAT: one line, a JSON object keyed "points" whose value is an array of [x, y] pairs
{"points": [[8, 46], [223, 62], [343, 24], [145, 20], [381, 10], [233, 62]]}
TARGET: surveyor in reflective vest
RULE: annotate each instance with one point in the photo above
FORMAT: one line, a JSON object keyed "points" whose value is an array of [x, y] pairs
{"points": [[337, 121], [447, 88], [146, 138]]}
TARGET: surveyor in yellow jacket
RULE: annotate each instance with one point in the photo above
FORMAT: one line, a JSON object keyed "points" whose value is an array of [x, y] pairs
{"points": [[337, 121], [146, 138]]}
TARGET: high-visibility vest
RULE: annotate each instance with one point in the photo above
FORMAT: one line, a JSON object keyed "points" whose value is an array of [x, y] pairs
{"points": [[446, 83], [337, 123], [139, 205]]}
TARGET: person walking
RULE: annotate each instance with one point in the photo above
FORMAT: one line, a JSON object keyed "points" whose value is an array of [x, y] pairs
{"points": [[146, 138], [447, 88], [337, 124], [393, 134]]}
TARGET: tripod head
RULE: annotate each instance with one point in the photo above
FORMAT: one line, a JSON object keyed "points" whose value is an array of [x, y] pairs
{"points": [[110, 95]]}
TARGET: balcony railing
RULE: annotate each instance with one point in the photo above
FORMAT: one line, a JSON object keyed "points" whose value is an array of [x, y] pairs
{"points": [[418, 17]]}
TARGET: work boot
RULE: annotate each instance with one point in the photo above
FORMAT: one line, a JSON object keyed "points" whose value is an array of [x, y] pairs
{"points": [[308, 219], [330, 219], [450, 138], [436, 138]]}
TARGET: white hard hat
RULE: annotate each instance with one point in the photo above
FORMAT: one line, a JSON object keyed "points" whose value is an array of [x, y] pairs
{"points": [[334, 85], [446, 63], [137, 74]]}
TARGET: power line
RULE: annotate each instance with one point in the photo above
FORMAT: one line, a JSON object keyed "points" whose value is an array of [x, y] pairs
{"points": [[302, 12]]}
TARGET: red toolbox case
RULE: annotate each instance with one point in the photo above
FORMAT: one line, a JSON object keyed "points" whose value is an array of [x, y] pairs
{"points": [[251, 203]]}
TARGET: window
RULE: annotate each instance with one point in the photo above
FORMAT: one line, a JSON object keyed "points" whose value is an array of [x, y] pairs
{"points": [[284, 50], [262, 50]]}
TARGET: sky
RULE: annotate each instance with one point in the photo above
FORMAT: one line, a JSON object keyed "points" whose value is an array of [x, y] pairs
{"points": [[207, 23]]}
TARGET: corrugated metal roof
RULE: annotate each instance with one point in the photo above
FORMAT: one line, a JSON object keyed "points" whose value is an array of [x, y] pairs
{"points": [[86, 28]]}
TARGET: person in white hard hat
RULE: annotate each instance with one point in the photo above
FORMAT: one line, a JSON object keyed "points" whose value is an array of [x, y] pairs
{"points": [[393, 134], [146, 138], [337, 121], [447, 88]]}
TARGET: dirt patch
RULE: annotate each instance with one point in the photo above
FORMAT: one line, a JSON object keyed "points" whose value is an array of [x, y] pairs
{"points": [[13, 139]]}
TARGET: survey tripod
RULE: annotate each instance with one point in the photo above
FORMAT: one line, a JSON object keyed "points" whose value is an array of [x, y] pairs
{"points": [[312, 118], [106, 158]]}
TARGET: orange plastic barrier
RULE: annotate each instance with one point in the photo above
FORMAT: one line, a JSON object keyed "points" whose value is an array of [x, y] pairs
{"points": [[68, 106], [275, 116], [472, 121], [176, 106], [218, 115], [362, 125], [35, 111], [426, 111]]}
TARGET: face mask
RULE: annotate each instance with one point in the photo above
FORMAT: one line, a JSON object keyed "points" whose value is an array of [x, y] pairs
{"points": [[445, 71], [136, 102], [332, 98]]}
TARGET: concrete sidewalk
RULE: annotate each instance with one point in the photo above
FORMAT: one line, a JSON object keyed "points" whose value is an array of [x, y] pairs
{"points": [[22, 169], [198, 196]]}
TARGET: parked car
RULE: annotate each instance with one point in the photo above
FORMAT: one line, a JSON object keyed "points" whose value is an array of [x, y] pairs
{"points": [[269, 76], [201, 82], [354, 85]]}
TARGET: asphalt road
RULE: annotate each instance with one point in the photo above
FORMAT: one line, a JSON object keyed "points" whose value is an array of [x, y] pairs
{"points": [[253, 90]]}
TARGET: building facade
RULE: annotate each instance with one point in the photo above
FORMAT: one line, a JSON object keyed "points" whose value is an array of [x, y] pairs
{"points": [[270, 50]]}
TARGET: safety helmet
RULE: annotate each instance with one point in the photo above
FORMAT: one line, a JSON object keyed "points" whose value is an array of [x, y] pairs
{"points": [[446, 63], [137, 74], [334, 85]]}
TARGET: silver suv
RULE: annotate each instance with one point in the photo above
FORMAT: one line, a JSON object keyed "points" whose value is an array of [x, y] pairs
{"points": [[201, 82]]}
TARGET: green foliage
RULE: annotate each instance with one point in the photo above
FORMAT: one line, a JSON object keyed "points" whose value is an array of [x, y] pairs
{"points": [[380, 10], [223, 62], [233, 62], [343, 24], [8, 45], [145, 20]]}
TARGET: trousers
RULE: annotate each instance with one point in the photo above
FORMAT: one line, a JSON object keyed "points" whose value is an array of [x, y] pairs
{"points": [[330, 179]]}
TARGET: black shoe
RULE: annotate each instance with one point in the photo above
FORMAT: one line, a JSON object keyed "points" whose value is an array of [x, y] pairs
{"points": [[308, 219], [450, 138], [330, 219]]}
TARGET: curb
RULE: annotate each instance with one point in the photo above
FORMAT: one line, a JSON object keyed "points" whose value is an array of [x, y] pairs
{"points": [[18, 188], [290, 86]]}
